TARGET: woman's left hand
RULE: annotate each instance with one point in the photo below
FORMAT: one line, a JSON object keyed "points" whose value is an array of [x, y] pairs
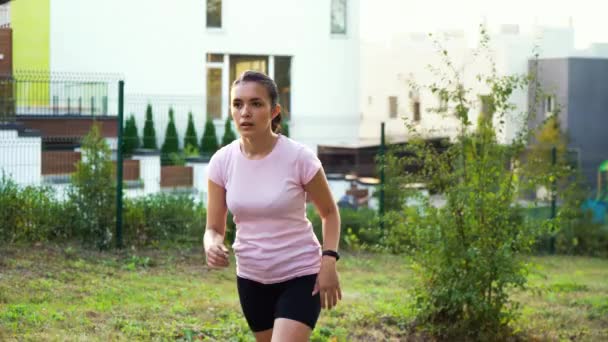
{"points": [[328, 283]]}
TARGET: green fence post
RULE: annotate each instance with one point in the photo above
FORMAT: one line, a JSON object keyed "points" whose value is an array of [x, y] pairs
{"points": [[382, 166], [119, 162], [553, 197]]}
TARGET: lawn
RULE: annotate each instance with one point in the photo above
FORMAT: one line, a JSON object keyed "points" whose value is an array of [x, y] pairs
{"points": [[59, 293]]}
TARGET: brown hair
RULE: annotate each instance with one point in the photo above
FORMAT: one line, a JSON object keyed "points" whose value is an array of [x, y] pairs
{"points": [[271, 88]]}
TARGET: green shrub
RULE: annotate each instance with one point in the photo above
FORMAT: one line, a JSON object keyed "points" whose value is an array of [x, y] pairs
{"points": [[467, 255], [11, 204], [359, 228], [171, 144], [190, 139], [93, 191], [163, 217], [209, 143], [131, 138], [229, 135], [31, 213], [582, 237], [149, 130]]}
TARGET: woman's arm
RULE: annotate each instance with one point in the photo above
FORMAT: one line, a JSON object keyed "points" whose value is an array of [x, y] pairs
{"points": [[215, 251], [318, 191], [328, 283]]}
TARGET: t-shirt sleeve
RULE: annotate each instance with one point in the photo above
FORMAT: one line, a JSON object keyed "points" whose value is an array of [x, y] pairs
{"points": [[216, 172], [308, 165]]}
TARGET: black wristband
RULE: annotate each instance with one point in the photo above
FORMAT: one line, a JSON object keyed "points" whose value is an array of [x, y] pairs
{"points": [[331, 253]]}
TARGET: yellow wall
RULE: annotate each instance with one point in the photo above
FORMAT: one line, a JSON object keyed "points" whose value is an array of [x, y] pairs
{"points": [[30, 21]]}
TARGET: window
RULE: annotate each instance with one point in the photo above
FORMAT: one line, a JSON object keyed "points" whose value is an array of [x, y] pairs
{"points": [[338, 16], [214, 13], [241, 63], [414, 96], [416, 110], [392, 106], [214, 93], [549, 104], [222, 70], [215, 58], [282, 77]]}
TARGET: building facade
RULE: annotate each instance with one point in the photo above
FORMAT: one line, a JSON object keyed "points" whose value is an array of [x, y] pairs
{"points": [[577, 89], [186, 54]]}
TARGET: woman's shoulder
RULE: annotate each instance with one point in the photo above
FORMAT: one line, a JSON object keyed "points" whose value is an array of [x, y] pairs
{"points": [[296, 146], [224, 153]]}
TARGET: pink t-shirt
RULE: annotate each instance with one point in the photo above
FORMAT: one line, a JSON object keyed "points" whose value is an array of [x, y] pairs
{"points": [[274, 240]]}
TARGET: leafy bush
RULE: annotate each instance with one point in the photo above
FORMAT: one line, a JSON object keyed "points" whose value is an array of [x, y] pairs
{"points": [[171, 145], [468, 254], [190, 139], [209, 143], [149, 130], [29, 213], [93, 191], [229, 135], [359, 228], [131, 138], [163, 218], [583, 237]]}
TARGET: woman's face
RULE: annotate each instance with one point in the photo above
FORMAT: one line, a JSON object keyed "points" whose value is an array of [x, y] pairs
{"points": [[252, 109]]}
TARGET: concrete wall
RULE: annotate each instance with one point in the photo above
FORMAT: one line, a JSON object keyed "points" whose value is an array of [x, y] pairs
{"points": [[149, 170], [588, 112], [580, 86], [20, 157], [553, 79]]}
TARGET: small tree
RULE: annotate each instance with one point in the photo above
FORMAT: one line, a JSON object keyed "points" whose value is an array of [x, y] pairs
{"points": [[149, 130], [229, 135], [171, 144], [191, 140], [467, 254], [131, 139], [209, 143], [93, 190]]}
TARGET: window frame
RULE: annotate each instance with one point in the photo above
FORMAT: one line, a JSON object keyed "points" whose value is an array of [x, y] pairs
{"points": [[393, 107], [221, 14], [214, 66], [549, 104], [343, 32]]}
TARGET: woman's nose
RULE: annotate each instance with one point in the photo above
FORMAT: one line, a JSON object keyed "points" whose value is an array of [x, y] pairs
{"points": [[245, 111]]}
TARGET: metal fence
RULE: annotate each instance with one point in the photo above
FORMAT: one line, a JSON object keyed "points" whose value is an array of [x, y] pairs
{"points": [[45, 117]]}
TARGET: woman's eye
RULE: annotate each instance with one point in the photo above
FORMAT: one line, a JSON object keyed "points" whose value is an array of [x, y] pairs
{"points": [[236, 105], [257, 104]]}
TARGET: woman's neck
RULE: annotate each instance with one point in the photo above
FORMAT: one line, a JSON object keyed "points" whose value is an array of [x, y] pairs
{"points": [[258, 146]]}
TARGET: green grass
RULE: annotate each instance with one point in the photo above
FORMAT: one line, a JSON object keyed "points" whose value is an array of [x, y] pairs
{"points": [[64, 293]]}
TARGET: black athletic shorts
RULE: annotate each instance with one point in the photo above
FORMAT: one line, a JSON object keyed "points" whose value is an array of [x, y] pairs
{"points": [[292, 299]]}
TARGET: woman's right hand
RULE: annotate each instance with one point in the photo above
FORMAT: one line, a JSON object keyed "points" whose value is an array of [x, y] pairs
{"points": [[217, 256]]}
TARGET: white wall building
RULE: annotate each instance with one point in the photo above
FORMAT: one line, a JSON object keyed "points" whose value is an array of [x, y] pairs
{"points": [[386, 70], [189, 52]]}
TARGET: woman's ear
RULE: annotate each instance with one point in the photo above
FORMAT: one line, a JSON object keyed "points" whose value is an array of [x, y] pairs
{"points": [[276, 111]]}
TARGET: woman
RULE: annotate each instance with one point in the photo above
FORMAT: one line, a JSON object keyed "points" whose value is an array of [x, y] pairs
{"points": [[284, 277]]}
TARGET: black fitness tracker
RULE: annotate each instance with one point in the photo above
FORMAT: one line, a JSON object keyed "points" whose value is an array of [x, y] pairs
{"points": [[331, 254]]}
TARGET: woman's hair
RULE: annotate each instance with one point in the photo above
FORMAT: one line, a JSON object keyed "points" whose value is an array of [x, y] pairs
{"points": [[271, 88]]}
